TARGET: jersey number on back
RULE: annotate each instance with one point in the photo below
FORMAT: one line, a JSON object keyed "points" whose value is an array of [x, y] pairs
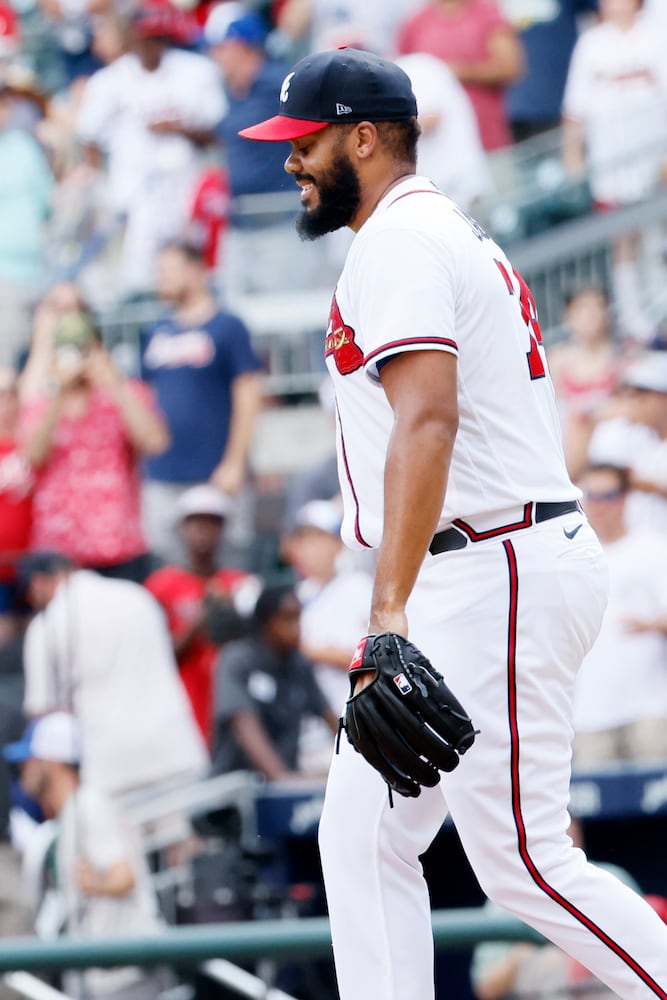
{"points": [[529, 315]]}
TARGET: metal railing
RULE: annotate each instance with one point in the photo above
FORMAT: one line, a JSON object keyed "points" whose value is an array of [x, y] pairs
{"points": [[277, 939]]}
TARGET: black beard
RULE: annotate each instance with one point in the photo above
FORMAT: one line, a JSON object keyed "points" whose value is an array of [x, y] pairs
{"points": [[339, 199]]}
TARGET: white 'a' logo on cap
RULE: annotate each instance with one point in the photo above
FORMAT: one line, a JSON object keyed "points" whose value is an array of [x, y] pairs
{"points": [[284, 90]]}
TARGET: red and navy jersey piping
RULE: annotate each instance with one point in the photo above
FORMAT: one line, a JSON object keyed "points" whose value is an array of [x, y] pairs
{"points": [[411, 342]]}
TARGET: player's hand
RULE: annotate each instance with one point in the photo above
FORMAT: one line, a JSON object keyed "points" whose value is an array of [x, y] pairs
{"points": [[382, 621]]}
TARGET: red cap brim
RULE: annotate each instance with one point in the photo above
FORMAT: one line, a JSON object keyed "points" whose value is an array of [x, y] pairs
{"points": [[281, 129]]}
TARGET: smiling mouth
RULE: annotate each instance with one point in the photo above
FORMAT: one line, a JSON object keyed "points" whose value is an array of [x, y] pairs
{"points": [[307, 186]]}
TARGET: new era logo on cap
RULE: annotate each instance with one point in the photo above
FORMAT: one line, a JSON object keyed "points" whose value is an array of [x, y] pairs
{"points": [[343, 109]]}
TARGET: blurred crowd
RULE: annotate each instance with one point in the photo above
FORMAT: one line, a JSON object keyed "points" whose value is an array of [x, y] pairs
{"points": [[146, 638]]}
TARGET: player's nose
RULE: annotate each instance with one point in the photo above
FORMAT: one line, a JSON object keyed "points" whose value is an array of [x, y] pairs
{"points": [[292, 162]]}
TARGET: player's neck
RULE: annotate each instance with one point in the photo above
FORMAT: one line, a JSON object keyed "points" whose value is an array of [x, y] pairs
{"points": [[374, 195]]}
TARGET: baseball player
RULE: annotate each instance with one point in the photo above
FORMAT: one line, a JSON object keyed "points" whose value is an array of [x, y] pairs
{"points": [[451, 464]]}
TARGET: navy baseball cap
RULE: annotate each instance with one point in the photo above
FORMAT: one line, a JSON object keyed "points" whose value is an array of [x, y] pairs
{"points": [[340, 85]]}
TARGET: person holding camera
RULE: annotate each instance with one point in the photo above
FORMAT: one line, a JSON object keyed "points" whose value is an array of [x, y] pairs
{"points": [[84, 427]]}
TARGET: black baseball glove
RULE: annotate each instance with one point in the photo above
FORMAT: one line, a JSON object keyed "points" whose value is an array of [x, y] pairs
{"points": [[405, 722]]}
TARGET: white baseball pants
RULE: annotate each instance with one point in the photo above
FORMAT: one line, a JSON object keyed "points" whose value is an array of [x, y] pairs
{"points": [[507, 621]]}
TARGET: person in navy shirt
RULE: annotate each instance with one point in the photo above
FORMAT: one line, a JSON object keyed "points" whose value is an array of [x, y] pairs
{"points": [[261, 252], [200, 363], [548, 30]]}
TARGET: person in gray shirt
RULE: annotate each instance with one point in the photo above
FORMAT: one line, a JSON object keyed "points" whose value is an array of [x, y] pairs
{"points": [[264, 688]]}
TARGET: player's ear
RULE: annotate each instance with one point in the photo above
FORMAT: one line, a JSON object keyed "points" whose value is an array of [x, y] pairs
{"points": [[365, 140]]}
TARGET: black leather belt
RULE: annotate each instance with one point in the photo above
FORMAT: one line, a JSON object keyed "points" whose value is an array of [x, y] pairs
{"points": [[458, 536]]}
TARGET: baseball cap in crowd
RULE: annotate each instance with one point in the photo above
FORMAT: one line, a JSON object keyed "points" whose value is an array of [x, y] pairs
{"points": [[203, 499], [325, 515], [233, 22], [340, 85], [158, 19], [40, 561], [55, 736], [648, 372]]}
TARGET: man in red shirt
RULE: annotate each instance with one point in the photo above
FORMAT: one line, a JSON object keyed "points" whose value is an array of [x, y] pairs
{"points": [[480, 47], [204, 603]]}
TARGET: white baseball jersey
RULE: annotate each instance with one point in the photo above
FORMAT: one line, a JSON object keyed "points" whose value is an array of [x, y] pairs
{"points": [[122, 100], [617, 87], [507, 619], [443, 285]]}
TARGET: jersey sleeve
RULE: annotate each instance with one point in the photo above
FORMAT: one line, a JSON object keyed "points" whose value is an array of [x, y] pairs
{"points": [[408, 303]]}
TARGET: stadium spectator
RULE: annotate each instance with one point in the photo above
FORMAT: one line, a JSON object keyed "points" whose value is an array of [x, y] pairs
{"points": [[261, 251], [585, 367], [482, 50], [199, 360], [620, 701], [548, 32], [26, 183], [84, 427], [16, 485], [318, 481], [336, 600], [450, 151], [615, 127], [325, 24], [15, 915], [152, 112], [264, 689], [100, 648], [636, 438], [101, 874], [204, 601]]}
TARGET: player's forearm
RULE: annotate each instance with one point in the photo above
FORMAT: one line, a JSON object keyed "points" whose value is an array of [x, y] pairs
{"points": [[415, 481]]}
